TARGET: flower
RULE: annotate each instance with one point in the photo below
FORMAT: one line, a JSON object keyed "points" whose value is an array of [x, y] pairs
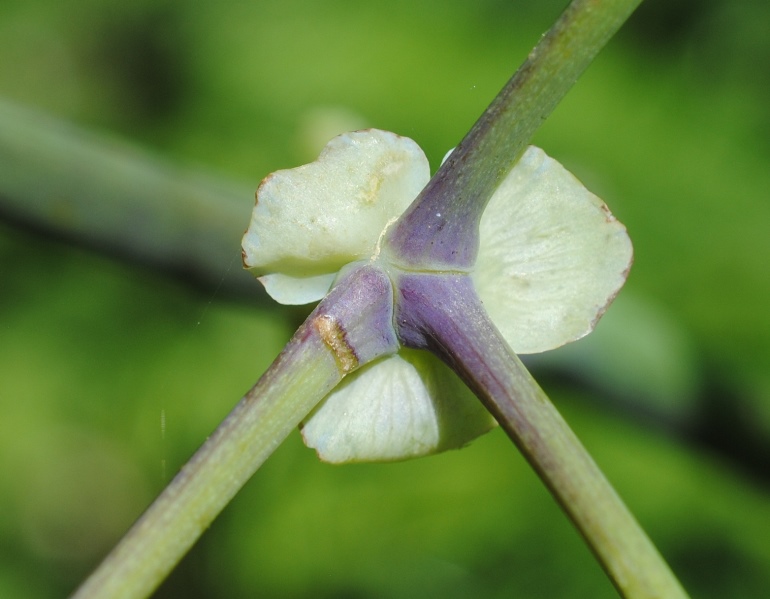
{"points": [[551, 259]]}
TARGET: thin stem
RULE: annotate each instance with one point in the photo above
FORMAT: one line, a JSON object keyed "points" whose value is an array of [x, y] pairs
{"points": [[440, 229], [350, 328], [474, 348], [297, 380]]}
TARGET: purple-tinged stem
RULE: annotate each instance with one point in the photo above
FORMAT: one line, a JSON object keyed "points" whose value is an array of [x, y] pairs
{"points": [[443, 314], [439, 231], [351, 327]]}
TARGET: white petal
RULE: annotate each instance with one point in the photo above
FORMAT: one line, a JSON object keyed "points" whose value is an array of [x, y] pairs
{"points": [[297, 290], [312, 220], [402, 406], [551, 256]]}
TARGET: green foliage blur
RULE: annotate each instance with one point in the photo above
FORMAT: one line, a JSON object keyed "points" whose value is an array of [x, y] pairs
{"points": [[111, 376]]}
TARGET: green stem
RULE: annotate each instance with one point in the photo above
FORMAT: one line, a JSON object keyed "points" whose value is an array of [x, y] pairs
{"points": [[475, 349], [440, 229], [530, 419], [351, 327], [297, 380]]}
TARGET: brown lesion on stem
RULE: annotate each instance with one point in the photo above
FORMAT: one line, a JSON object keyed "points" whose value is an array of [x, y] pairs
{"points": [[333, 335]]}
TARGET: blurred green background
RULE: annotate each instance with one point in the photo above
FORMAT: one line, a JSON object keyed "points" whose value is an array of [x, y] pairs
{"points": [[111, 374]]}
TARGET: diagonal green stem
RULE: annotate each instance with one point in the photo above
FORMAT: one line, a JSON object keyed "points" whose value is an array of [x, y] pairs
{"points": [[299, 378], [474, 348], [351, 327], [440, 229]]}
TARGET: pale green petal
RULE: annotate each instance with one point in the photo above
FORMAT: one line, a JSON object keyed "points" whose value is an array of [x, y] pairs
{"points": [[297, 290], [551, 256], [312, 220], [402, 406]]}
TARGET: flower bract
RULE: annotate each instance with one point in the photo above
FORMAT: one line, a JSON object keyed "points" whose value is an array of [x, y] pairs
{"points": [[551, 258]]}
